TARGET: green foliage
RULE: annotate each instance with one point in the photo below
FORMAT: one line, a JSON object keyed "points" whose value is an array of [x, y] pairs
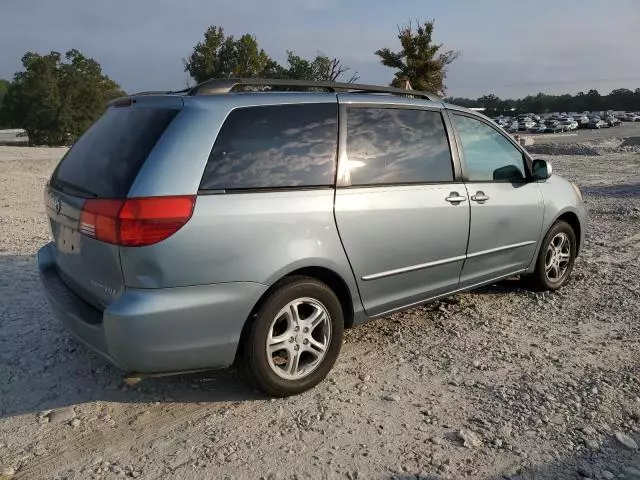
{"points": [[618, 99], [420, 61], [321, 68], [222, 56], [4, 87], [55, 101]]}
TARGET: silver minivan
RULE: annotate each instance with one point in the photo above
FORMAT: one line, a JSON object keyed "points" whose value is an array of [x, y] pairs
{"points": [[252, 221]]}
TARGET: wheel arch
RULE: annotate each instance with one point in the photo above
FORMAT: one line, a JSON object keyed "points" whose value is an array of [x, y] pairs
{"points": [[574, 222], [327, 276], [573, 219]]}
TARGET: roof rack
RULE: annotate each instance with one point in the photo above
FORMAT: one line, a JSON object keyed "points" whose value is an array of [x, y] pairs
{"points": [[222, 86], [160, 92]]}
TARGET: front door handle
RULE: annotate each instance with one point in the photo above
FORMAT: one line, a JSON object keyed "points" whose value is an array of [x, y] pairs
{"points": [[480, 197], [455, 198]]}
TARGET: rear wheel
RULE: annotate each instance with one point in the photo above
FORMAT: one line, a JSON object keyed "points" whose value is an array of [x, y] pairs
{"points": [[295, 337], [555, 259]]}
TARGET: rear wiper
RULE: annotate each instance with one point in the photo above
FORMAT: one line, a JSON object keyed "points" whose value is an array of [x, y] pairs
{"points": [[69, 188]]}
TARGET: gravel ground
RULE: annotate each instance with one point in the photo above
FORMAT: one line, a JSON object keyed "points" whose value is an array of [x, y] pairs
{"points": [[497, 383]]}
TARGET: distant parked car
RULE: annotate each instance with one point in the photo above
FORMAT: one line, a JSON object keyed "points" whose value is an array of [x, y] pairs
{"points": [[583, 121], [568, 124], [526, 124], [538, 128], [512, 127], [630, 117], [597, 123], [613, 121], [553, 127]]}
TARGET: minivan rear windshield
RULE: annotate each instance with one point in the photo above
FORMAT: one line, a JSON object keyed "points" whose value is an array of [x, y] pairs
{"points": [[104, 162]]}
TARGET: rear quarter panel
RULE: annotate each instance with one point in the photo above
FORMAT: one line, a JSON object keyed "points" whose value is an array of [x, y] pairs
{"points": [[245, 237]]}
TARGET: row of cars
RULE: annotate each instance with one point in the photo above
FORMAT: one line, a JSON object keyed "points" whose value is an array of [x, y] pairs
{"points": [[563, 122]]}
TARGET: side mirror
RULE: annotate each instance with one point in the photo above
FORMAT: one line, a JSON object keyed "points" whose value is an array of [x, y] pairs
{"points": [[541, 169]]}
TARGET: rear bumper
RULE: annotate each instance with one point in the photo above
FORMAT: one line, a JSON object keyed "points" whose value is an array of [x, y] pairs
{"points": [[156, 330]]}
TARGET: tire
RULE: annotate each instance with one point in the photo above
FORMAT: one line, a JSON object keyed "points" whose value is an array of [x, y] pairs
{"points": [[544, 278], [280, 322]]}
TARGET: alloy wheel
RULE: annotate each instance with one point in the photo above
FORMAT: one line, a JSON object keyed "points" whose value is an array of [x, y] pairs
{"points": [[298, 338], [558, 257]]}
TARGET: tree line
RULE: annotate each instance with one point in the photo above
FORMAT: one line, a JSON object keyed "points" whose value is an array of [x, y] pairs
{"points": [[592, 101], [56, 98]]}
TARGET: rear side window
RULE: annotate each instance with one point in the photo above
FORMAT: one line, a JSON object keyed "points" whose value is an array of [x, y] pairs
{"points": [[393, 145], [106, 159], [275, 147]]}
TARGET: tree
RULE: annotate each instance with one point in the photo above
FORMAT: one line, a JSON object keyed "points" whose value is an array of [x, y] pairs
{"points": [[4, 86], [220, 56], [321, 68], [420, 61], [55, 101], [594, 100]]}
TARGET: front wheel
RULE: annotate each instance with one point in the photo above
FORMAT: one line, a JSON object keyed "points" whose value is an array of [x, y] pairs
{"points": [[295, 337], [555, 259]]}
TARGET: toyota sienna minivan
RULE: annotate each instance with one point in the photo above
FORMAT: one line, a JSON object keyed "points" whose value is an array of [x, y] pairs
{"points": [[252, 221]]}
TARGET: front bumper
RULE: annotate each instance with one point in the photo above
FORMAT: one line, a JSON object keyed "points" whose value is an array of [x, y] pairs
{"points": [[156, 330]]}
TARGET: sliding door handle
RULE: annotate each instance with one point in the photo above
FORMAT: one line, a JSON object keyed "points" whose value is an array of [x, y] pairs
{"points": [[455, 198], [480, 197]]}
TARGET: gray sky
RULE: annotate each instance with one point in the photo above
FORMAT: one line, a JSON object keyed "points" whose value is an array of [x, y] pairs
{"points": [[510, 47]]}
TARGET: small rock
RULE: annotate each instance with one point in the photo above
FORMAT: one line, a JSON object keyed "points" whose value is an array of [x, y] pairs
{"points": [[505, 430], [62, 415], [469, 438], [594, 390], [365, 377], [334, 390], [592, 444], [497, 442], [476, 364], [589, 430], [75, 423], [391, 398], [607, 475], [8, 471], [436, 440], [626, 440]]}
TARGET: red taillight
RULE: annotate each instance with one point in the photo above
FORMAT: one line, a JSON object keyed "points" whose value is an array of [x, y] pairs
{"points": [[135, 222]]}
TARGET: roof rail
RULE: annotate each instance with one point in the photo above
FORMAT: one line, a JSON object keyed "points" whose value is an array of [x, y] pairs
{"points": [[160, 92], [222, 86]]}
